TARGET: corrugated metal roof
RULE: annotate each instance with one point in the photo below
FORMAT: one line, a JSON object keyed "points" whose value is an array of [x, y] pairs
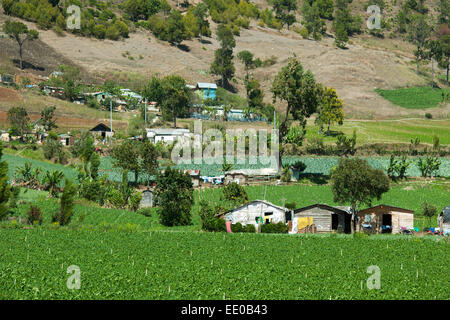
{"points": [[206, 85]]}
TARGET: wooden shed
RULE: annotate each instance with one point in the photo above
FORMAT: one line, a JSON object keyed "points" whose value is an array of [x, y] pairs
{"points": [[257, 212], [385, 219], [102, 131], [327, 218], [147, 199]]}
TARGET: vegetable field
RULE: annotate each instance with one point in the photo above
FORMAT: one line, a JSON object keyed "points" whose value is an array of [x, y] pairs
{"points": [[194, 265]]}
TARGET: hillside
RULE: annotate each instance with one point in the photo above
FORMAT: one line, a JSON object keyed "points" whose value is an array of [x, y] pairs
{"points": [[367, 64]]}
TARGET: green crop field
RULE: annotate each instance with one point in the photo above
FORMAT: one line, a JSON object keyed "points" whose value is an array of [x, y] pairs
{"points": [[414, 97], [389, 131], [193, 265]]}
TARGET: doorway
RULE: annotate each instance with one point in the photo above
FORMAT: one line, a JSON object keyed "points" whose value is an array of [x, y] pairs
{"points": [[386, 223], [334, 221]]}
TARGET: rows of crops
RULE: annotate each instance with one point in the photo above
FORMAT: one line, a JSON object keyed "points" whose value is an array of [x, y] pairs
{"points": [[318, 165], [192, 265]]}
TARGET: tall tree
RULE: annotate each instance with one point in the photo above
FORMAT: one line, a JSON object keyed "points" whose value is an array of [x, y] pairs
{"points": [[299, 90], [5, 187], [444, 62], [312, 20], [176, 98], [19, 32], [418, 34], [175, 196], [19, 121], [330, 109], [47, 119], [149, 154], [283, 9], [127, 156], [354, 181], [246, 57], [223, 57]]}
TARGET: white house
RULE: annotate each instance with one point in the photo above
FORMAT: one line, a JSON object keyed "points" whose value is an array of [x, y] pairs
{"points": [[258, 212], [167, 135]]}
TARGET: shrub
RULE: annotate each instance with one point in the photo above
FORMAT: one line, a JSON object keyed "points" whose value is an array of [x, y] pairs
{"points": [[235, 193], [237, 227], [428, 115], [112, 33], [66, 210], [279, 227], [250, 228], [100, 31], [34, 215], [116, 199], [135, 201]]}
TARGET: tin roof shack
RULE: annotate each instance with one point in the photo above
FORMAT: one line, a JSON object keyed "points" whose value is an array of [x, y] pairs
{"points": [[385, 219], [327, 218], [102, 131], [66, 139], [148, 199], [257, 212], [246, 176], [206, 90], [444, 219], [167, 135]]}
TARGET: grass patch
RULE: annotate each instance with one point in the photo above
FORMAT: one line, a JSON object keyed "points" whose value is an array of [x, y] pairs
{"points": [[414, 97]]}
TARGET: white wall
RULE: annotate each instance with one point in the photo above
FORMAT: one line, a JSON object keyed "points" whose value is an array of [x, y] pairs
{"points": [[248, 214]]}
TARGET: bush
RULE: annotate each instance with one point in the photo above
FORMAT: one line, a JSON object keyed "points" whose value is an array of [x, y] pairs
{"points": [[66, 210], [112, 33], [116, 199], [279, 227], [34, 215], [235, 193], [250, 228], [428, 115], [237, 227], [135, 201]]}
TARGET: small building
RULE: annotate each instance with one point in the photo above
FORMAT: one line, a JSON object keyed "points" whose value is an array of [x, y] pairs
{"points": [[167, 135], [206, 90], [327, 218], [257, 212], [7, 79], [245, 176], [66, 139], [147, 198], [99, 96], [102, 131], [4, 136], [444, 220], [385, 219]]}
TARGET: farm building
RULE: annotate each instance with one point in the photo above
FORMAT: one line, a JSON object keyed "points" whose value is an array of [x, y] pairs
{"points": [[99, 96], [102, 131], [257, 212], [327, 218], [244, 176], [385, 219], [444, 220], [167, 135], [66, 139], [206, 90], [4, 136], [147, 199]]}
